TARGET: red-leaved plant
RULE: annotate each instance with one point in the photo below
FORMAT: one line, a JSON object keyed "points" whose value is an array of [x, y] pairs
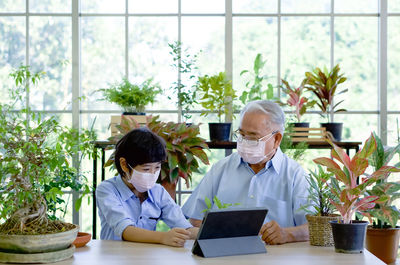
{"points": [[351, 195], [296, 100]]}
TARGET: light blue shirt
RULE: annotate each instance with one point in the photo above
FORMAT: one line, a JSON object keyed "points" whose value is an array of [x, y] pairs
{"points": [[119, 207], [281, 187]]}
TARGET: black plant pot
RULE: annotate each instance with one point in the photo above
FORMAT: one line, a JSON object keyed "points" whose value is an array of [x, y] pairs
{"points": [[133, 113], [335, 128], [349, 238], [219, 132]]}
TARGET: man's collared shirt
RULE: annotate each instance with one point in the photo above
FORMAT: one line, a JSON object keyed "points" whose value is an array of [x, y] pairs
{"points": [[281, 187], [119, 207]]}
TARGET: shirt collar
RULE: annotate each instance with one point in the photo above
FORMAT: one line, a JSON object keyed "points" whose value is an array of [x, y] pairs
{"points": [[275, 162]]}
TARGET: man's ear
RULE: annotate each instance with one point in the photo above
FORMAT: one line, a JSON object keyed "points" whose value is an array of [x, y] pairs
{"points": [[277, 139]]}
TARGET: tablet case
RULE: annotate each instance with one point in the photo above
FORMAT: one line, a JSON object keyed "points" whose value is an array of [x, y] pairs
{"points": [[230, 232]]}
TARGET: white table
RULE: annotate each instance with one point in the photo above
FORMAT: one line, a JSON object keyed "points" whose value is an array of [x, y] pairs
{"points": [[99, 252]]}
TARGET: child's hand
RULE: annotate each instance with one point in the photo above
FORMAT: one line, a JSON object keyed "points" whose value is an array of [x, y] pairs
{"points": [[175, 237]]}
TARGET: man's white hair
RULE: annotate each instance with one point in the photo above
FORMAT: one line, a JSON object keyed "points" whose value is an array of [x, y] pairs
{"points": [[270, 108]]}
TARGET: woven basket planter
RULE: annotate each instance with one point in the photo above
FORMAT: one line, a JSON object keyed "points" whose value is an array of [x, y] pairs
{"points": [[320, 230]]}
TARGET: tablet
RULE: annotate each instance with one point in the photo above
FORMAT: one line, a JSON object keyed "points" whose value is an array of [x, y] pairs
{"points": [[226, 232]]}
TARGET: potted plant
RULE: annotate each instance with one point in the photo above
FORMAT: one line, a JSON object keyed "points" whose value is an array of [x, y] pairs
{"points": [[218, 203], [319, 208], [132, 98], [382, 237], [255, 87], [185, 65], [324, 85], [215, 95], [184, 148], [350, 196], [298, 101], [35, 152]]}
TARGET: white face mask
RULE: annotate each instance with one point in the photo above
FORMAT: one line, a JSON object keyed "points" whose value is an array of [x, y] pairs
{"points": [[143, 181], [253, 151]]}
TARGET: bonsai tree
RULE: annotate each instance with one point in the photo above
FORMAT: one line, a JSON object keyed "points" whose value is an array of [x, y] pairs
{"points": [[296, 99], [255, 87], [324, 85], [131, 97], [184, 147], [344, 185], [185, 65], [215, 94], [35, 157], [384, 213]]}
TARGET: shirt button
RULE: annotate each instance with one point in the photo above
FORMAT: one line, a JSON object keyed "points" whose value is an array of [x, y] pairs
{"points": [[140, 217], [252, 196]]}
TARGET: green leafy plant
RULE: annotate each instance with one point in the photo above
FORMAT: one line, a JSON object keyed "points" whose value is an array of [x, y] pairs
{"points": [[217, 202], [185, 65], [255, 87], [295, 151], [319, 194], [351, 195], [324, 85], [131, 97], [384, 213], [34, 153], [183, 143], [296, 99], [215, 94]]}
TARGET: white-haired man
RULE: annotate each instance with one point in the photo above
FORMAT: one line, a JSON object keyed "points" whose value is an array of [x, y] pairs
{"points": [[258, 175]]}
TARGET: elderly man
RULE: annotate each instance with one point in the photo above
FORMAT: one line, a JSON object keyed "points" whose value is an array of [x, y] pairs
{"points": [[258, 175]]}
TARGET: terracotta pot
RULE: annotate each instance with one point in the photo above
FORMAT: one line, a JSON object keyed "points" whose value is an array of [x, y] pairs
{"points": [[383, 243], [82, 239], [170, 187]]}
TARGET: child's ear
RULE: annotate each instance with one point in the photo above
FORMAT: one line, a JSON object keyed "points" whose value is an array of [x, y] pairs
{"points": [[124, 165]]}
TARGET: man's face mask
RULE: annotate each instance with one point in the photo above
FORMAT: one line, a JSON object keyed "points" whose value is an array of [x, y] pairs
{"points": [[253, 151], [143, 181]]}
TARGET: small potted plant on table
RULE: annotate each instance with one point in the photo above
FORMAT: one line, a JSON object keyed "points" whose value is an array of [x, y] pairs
{"points": [[349, 189], [319, 208], [215, 95], [382, 238], [132, 98], [324, 85]]}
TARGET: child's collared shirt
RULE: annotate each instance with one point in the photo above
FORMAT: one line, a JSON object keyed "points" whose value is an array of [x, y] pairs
{"points": [[119, 207]]}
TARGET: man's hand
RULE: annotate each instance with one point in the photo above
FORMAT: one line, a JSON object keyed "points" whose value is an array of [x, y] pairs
{"points": [[273, 234], [175, 237]]}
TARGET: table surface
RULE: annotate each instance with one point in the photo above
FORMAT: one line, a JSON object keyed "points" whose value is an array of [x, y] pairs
{"points": [[118, 252]]}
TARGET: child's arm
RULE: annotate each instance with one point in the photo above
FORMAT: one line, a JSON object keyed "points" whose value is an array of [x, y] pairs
{"points": [[175, 237], [193, 232]]}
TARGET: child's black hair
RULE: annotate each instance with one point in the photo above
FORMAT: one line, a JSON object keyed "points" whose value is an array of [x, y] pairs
{"points": [[139, 146]]}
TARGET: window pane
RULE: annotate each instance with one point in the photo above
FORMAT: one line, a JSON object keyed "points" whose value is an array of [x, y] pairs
{"points": [[365, 124], [254, 6], [50, 51], [356, 6], [50, 6], [305, 45], [12, 6], [204, 6], [306, 6], [205, 34], [153, 6], [149, 55], [103, 6], [356, 48], [393, 129], [394, 6], [103, 58], [12, 51], [393, 63], [250, 37]]}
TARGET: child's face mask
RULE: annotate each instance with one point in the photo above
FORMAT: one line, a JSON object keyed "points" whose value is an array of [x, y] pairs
{"points": [[143, 181]]}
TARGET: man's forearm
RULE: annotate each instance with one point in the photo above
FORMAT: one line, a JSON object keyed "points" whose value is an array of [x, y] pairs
{"points": [[195, 222], [297, 233]]}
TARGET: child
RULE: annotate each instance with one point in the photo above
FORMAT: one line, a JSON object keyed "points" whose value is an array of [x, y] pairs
{"points": [[131, 204]]}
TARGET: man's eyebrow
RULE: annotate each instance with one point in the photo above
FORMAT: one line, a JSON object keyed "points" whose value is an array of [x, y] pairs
{"points": [[252, 133]]}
